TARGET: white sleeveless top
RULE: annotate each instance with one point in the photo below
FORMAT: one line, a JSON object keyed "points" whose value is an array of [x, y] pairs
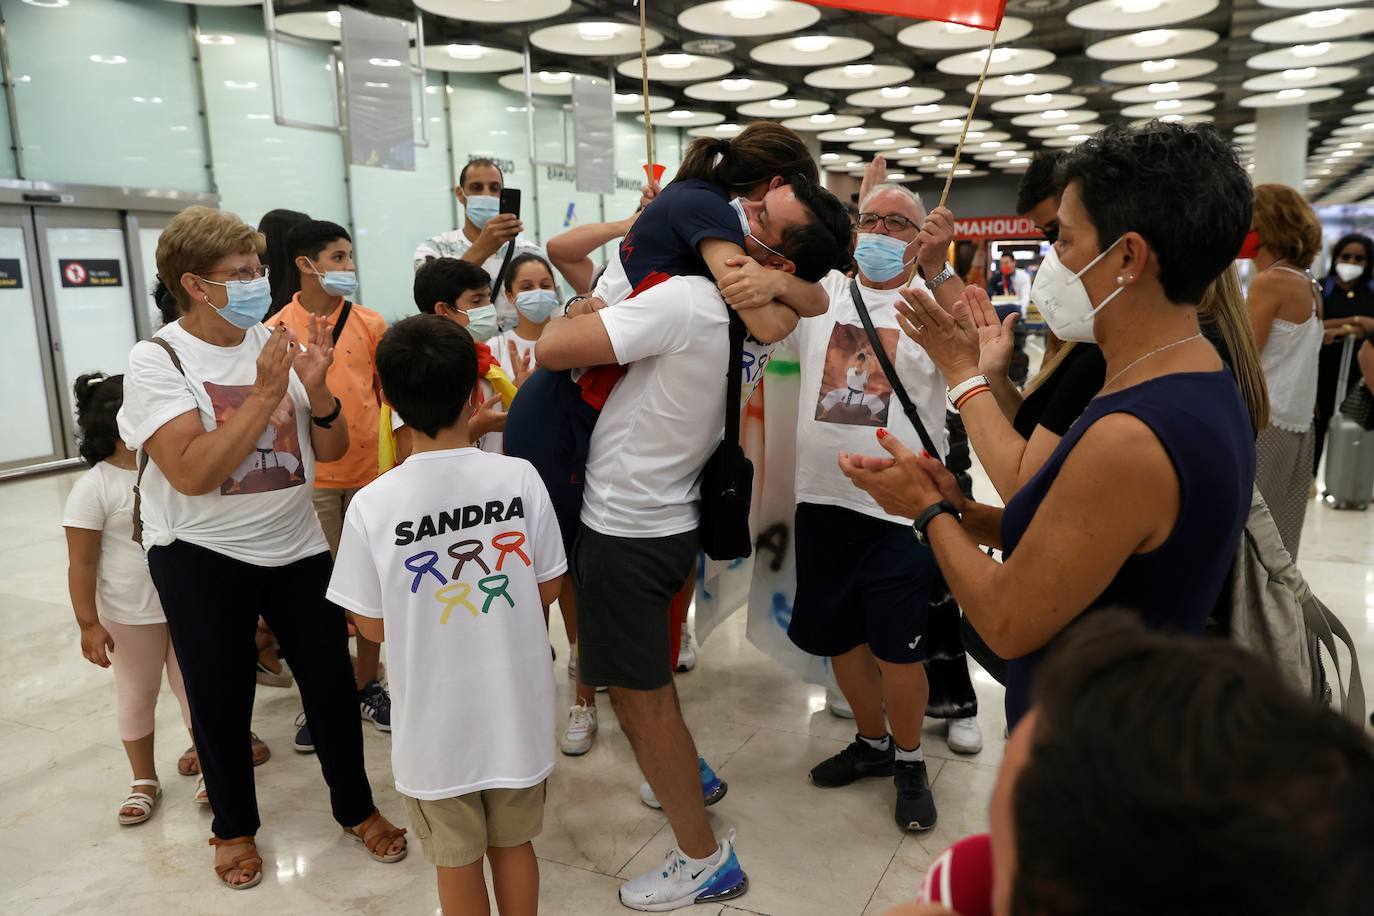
{"points": [[1289, 360]]}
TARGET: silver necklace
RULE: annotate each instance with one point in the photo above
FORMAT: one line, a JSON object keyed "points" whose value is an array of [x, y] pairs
{"points": [[1155, 352]]}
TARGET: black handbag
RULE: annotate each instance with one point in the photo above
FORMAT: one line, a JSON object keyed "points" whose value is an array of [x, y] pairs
{"points": [[727, 481], [890, 371]]}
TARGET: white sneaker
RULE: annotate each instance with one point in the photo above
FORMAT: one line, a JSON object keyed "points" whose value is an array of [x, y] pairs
{"points": [[687, 654], [676, 884], [577, 739], [837, 704], [965, 737]]}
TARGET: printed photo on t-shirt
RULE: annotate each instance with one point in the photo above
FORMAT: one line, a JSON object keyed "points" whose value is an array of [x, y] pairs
{"points": [[275, 462], [854, 389]]}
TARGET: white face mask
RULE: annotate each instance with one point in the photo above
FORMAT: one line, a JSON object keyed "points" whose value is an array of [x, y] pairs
{"points": [[1349, 272], [1063, 300]]}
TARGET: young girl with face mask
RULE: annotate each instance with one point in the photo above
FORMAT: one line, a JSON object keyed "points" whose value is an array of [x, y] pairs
{"points": [[531, 286]]}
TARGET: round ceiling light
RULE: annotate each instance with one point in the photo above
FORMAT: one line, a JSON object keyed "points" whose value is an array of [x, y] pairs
{"points": [[1054, 116], [854, 134], [919, 114], [1316, 26], [1153, 44], [1178, 119], [1060, 131], [1116, 15], [1038, 101], [886, 145], [824, 121], [1169, 89], [950, 36], [1300, 78], [895, 97], [748, 18], [1317, 54], [633, 102], [836, 159], [544, 82], [469, 58], [487, 11], [677, 67], [950, 125], [974, 138], [686, 117], [717, 132], [593, 38], [859, 76], [321, 25], [735, 90], [812, 51], [1163, 69], [783, 108], [1005, 61], [1022, 84], [1167, 107], [1285, 97]]}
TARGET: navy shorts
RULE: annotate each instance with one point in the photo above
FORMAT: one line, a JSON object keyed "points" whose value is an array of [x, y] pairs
{"points": [[550, 426], [859, 580]]}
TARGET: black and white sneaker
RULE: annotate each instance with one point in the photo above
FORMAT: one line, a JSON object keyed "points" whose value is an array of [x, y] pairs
{"points": [[303, 742], [375, 704], [915, 804], [853, 763]]}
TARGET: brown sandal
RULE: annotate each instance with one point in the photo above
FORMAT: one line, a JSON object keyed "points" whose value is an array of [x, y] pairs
{"points": [[189, 763], [248, 861], [378, 841]]}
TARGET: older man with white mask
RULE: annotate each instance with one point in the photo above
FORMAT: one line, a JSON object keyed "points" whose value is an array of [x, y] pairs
{"points": [[863, 582]]}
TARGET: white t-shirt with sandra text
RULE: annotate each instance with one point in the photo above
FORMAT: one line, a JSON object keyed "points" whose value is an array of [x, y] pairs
{"points": [[448, 550], [846, 397], [102, 499], [262, 512], [664, 419]]}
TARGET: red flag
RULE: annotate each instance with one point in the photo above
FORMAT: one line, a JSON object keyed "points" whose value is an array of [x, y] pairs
{"points": [[980, 14]]}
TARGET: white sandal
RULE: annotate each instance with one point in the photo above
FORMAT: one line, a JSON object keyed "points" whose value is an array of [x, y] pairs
{"points": [[202, 794], [140, 800]]}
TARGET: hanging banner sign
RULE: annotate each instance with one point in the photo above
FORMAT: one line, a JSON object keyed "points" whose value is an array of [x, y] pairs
{"points": [[10, 275], [76, 272], [593, 134], [997, 227]]}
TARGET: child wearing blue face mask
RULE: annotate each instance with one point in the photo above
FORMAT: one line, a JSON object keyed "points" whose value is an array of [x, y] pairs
{"points": [[323, 254], [531, 286]]}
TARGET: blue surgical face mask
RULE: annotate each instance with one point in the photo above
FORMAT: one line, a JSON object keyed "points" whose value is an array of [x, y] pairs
{"points": [[537, 304], [880, 257], [481, 208], [738, 205], [248, 302], [338, 282], [482, 322]]}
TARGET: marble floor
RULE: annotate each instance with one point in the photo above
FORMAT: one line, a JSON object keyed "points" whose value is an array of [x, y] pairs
{"points": [[808, 851]]}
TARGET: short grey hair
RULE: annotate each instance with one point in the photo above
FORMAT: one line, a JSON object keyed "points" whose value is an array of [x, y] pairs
{"points": [[905, 192]]}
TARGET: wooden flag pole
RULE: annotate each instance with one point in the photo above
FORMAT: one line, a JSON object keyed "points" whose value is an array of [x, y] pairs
{"points": [[644, 79], [968, 118]]}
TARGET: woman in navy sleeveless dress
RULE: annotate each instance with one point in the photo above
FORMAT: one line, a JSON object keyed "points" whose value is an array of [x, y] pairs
{"points": [[1142, 503]]}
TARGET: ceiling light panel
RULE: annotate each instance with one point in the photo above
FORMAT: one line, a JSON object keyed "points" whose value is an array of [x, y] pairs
{"points": [[748, 18]]}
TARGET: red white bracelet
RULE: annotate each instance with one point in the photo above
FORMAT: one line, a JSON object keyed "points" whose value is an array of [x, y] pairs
{"points": [[970, 395]]}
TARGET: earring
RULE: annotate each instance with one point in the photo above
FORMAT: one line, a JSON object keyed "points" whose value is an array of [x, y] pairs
{"points": [[1119, 280]]}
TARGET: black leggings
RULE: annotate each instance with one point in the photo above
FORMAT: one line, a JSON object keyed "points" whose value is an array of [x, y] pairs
{"points": [[212, 604]]}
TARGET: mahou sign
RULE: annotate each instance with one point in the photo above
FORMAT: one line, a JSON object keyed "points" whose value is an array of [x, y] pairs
{"points": [[996, 227]]}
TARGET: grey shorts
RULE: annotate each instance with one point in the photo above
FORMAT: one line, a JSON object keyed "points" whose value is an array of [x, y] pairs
{"points": [[624, 589]]}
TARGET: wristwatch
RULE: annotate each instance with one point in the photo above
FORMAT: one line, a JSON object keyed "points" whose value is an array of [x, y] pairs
{"points": [[963, 388], [941, 277], [326, 422], [929, 515]]}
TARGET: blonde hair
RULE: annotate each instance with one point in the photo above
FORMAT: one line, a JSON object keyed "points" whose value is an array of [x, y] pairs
{"points": [[195, 240], [1286, 224], [1223, 305], [1047, 368]]}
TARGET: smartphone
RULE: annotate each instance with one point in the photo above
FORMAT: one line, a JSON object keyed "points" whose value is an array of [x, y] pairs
{"points": [[510, 201]]}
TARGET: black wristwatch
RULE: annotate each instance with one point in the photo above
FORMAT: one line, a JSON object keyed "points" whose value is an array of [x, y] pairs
{"points": [[569, 304], [929, 515], [326, 422]]}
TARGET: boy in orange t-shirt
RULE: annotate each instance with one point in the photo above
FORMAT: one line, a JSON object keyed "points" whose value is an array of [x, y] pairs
{"points": [[324, 257]]}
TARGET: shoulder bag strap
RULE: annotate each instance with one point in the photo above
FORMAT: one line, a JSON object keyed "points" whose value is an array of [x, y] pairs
{"points": [[891, 373], [143, 452], [343, 320], [734, 378]]}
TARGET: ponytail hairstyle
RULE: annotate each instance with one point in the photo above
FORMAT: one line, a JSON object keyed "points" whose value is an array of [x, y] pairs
{"points": [[760, 152], [1222, 310], [166, 302], [98, 399]]}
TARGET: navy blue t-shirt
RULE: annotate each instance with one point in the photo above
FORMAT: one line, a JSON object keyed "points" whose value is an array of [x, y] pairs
{"points": [[665, 237]]}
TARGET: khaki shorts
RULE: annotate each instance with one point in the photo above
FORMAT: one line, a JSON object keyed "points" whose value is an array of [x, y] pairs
{"points": [[330, 506], [457, 831]]}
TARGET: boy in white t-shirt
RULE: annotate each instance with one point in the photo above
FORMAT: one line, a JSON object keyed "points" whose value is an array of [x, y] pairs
{"points": [[454, 557]]}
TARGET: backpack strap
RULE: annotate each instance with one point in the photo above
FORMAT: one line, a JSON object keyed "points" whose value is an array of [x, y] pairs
{"points": [[143, 452], [338, 326]]}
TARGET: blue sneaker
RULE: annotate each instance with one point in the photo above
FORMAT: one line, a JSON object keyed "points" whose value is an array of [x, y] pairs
{"points": [[674, 884], [375, 703], [713, 788], [303, 743]]}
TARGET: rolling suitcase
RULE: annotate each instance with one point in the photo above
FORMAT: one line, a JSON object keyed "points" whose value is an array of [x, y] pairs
{"points": [[1349, 448]]}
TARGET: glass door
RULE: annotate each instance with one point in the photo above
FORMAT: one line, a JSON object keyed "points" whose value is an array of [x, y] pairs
{"points": [[90, 297], [144, 229], [33, 433]]}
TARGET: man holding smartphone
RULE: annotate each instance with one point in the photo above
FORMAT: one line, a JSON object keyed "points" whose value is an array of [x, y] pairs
{"points": [[488, 231]]}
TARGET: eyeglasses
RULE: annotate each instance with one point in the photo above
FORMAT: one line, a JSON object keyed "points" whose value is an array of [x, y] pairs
{"points": [[893, 221], [241, 274]]}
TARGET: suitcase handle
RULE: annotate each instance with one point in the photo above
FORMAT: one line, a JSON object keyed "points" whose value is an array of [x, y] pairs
{"points": [[1347, 356]]}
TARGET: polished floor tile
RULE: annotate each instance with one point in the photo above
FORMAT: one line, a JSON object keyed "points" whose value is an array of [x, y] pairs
{"points": [[835, 852]]}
